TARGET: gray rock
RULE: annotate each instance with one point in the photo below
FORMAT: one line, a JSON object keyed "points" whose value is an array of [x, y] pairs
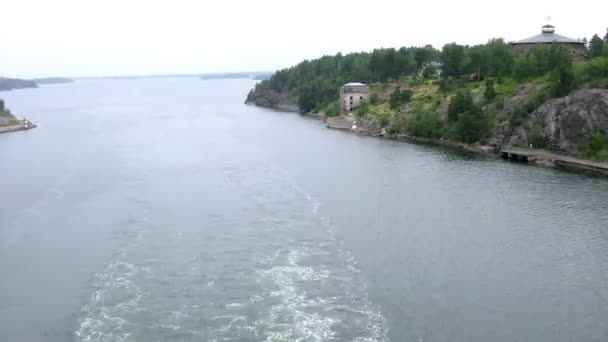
{"points": [[566, 120], [521, 97]]}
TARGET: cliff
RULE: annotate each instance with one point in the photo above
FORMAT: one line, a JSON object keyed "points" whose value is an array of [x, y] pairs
{"points": [[270, 98], [566, 124], [14, 83]]}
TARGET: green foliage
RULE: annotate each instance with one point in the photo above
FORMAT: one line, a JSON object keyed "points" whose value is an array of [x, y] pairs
{"points": [[535, 136], [429, 72], [374, 98], [468, 123], [518, 117], [450, 84], [453, 56], [397, 125], [540, 61], [489, 93], [2, 105], [470, 127], [424, 55], [363, 109], [596, 46], [400, 97], [596, 146], [593, 72], [460, 103], [425, 124], [332, 110], [562, 82], [384, 118]]}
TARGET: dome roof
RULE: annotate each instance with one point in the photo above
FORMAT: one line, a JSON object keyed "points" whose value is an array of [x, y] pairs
{"points": [[548, 35]]}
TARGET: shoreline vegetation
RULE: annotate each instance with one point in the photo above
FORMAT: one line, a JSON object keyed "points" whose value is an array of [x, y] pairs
{"points": [[544, 101], [9, 123]]}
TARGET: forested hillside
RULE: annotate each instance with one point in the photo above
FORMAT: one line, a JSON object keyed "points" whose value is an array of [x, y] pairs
{"points": [[484, 92]]}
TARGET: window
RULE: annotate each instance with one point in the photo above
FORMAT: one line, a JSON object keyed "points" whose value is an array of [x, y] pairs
{"points": [[351, 97], [360, 97]]}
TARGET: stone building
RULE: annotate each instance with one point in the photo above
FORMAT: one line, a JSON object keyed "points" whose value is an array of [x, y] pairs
{"points": [[352, 94], [547, 37]]}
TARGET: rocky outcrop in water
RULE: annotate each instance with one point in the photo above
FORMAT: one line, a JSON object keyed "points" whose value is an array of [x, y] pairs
{"points": [[14, 83]]}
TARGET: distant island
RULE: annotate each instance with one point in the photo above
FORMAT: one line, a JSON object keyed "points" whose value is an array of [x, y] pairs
{"points": [[52, 80], [255, 75], [15, 83]]}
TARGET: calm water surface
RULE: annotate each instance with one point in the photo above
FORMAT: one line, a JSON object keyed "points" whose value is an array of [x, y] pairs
{"points": [[165, 210]]}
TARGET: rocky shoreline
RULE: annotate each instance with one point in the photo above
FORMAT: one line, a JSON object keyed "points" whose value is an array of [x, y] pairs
{"points": [[22, 125], [537, 157]]}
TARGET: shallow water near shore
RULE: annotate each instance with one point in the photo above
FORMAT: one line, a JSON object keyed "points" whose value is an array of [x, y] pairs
{"points": [[166, 210]]}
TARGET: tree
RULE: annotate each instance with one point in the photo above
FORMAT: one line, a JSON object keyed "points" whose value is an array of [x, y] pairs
{"points": [[606, 36], [523, 67], [429, 71], [460, 103], [489, 93], [470, 127], [453, 60], [400, 97], [422, 56], [500, 58], [1, 105], [596, 45], [562, 82]]}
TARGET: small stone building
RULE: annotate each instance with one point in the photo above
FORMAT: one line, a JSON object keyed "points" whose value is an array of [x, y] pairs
{"points": [[547, 37], [352, 94]]}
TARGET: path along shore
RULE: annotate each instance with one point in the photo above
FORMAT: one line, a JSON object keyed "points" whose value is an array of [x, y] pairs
{"points": [[528, 155]]}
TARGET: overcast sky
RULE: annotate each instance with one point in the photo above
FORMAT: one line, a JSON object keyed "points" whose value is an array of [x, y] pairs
{"points": [[135, 37]]}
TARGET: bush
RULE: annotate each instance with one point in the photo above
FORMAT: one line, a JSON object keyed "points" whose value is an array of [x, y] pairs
{"points": [[332, 110], [374, 98], [400, 97], [597, 146], [363, 109], [470, 127], [489, 93], [518, 116], [429, 72], [384, 118], [535, 136], [425, 124], [460, 103], [450, 84], [562, 82], [397, 125]]}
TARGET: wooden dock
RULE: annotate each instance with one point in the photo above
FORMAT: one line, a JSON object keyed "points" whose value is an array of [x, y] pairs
{"points": [[547, 158]]}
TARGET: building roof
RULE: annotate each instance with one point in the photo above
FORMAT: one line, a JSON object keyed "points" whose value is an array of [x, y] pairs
{"points": [[548, 35], [355, 84]]}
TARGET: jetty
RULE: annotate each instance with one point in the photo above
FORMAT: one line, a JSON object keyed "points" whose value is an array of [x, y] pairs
{"points": [[546, 158]]}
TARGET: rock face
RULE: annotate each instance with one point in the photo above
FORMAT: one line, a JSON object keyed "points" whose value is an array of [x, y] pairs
{"points": [[566, 120], [270, 98], [14, 83]]}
